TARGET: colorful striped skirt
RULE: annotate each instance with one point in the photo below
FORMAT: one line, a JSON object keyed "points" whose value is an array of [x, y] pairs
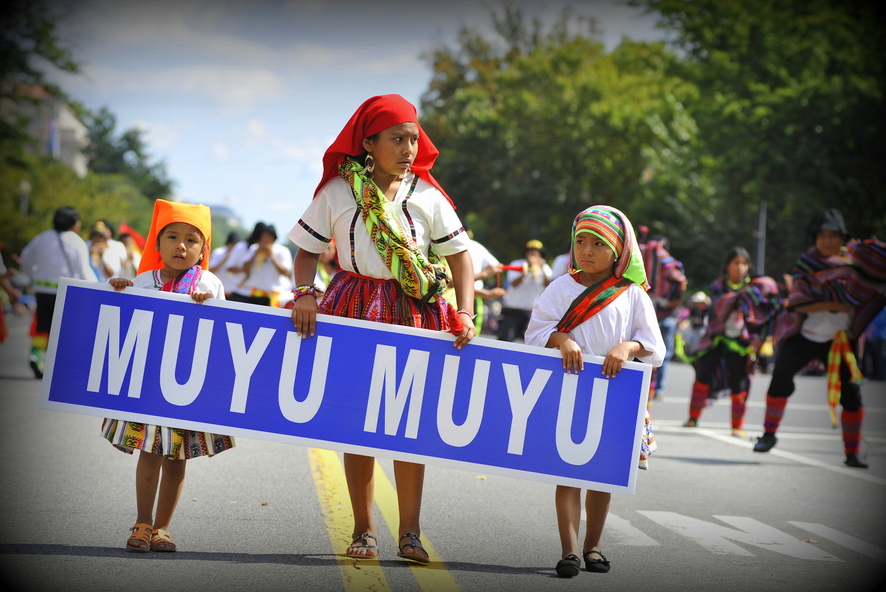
{"points": [[383, 301], [647, 443], [173, 443]]}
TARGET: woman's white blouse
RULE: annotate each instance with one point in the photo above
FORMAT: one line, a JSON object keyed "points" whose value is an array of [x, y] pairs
{"points": [[425, 215]]}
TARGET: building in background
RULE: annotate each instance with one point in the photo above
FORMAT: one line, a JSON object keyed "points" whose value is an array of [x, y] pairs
{"points": [[54, 127]]}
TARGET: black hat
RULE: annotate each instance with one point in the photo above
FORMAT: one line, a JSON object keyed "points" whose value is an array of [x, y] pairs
{"points": [[830, 219]]}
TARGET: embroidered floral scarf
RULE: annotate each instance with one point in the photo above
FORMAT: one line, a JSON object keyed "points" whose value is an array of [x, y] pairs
{"points": [[185, 283], [420, 277]]}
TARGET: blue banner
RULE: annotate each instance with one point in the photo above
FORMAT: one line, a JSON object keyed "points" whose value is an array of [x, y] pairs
{"points": [[360, 387]]}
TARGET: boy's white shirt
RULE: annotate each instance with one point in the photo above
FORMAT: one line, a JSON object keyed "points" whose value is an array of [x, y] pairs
{"points": [[630, 317]]}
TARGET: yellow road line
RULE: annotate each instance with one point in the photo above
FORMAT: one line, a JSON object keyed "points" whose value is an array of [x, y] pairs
{"points": [[431, 578], [332, 489]]}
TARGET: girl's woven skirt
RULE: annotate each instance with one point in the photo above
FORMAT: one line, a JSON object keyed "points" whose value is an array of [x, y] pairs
{"points": [[171, 443], [647, 443], [383, 301]]}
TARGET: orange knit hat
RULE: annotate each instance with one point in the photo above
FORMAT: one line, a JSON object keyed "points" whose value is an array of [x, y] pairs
{"points": [[166, 213]]}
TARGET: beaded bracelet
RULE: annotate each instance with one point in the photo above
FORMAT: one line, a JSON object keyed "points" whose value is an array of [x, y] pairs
{"points": [[473, 316], [304, 291]]}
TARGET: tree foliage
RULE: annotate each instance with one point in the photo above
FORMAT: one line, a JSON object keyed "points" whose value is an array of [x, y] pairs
{"points": [[124, 155], [121, 183], [53, 185], [537, 125], [28, 42], [792, 110], [777, 102]]}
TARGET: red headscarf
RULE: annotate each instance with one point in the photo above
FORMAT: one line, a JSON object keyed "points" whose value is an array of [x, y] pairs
{"points": [[377, 114], [166, 213]]}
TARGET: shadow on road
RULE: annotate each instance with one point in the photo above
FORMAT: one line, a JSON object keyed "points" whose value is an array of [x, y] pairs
{"points": [[706, 461], [312, 560]]}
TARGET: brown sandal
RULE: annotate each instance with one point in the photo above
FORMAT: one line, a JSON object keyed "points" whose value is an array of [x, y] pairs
{"points": [[415, 544], [365, 546], [141, 533], [160, 541]]}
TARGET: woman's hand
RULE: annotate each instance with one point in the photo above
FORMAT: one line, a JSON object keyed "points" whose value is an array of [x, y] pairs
{"points": [[463, 280], [304, 316], [467, 331], [119, 283]]}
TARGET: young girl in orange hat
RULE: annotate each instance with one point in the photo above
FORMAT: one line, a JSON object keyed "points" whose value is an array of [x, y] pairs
{"points": [[176, 259]]}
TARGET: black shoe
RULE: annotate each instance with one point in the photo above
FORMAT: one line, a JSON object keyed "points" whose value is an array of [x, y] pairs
{"points": [[596, 565], [35, 368], [568, 566], [853, 461], [766, 442]]}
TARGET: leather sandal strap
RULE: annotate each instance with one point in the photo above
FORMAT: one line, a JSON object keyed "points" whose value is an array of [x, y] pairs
{"points": [[416, 542], [363, 537], [141, 532]]}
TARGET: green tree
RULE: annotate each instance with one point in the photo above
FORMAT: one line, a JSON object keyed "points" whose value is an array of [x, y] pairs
{"points": [[534, 126], [125, 155], [53, 185], [28, 42], [792, 112]]}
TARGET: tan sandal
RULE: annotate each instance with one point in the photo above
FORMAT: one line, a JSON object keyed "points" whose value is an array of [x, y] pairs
{"points": [[141, 533], [160, 541]]}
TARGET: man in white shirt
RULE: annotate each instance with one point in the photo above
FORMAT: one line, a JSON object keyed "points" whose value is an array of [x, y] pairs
{"points": [[485, 266], [524, 288], [51, 255]]}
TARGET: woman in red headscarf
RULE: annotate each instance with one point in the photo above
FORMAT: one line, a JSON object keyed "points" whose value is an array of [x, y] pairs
{"points": [[393, 225]]}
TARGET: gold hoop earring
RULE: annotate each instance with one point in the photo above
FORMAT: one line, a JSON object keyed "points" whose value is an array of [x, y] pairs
{"points": [[370, 164]]}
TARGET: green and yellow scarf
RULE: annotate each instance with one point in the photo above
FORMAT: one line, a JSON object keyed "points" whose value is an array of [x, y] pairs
{"points": [[420, 277]]}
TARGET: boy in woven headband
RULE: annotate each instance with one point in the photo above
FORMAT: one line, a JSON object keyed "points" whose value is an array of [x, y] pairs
{"points": [[176, 259], [599, 308]]}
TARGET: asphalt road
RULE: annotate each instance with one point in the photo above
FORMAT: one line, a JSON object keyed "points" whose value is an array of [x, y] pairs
{"points": [[710, 514]]}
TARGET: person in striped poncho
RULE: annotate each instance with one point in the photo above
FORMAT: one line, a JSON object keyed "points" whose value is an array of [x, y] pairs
{"points": [[837, 289], [743, 311]]}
